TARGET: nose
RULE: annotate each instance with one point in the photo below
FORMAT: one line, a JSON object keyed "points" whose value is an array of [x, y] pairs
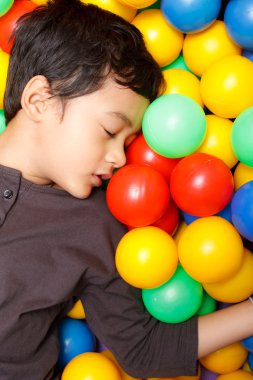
{"points": [[116, 156]]}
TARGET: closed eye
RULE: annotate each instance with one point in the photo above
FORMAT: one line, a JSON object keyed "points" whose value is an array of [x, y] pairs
{"points": [[110, 133]]}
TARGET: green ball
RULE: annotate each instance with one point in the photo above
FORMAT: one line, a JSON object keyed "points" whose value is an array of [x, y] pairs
{"points": [[178, 63], [5, 5], [174, 125], [175, 301], [208, 304], [242, 137], [2, 121]]}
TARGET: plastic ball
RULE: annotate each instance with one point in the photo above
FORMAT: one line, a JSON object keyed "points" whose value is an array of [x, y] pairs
{"points": [[4, 64], [250, 360], [77, 311], [137, 195], [201, 184], [124, 376], [8, 21], [2, 121], [242, 137], [182, 82], [5, 6], [75, 338], [182, 226], [175, 301], [236, 375], [210, 250], [248, 343], [138, 3], [236, 288], [191, 16], [248, 54], [40, 2], [208, 305], [91, 366], [204, 48], [169, 220], [246, 367], [114, 6], [225, 360], [174, 125], [239, 23], [158, 34], [140, 153], [226, 86], [242, 175], [178, 63], [224, 213], [242, 210], [217, 141], [146, 257]]}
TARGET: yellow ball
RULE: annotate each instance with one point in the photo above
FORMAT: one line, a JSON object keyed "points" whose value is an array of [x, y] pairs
{"points": [[77, 311], [182, 226], [238, 287], [90, 366], [146, 257], [237, 375], [210, 249], [138, 3], [4, 64], [202, 49], [226, 86], [40, 2], [116, 7], [242, 175], [217, 141], [182, 82], [225, 360], [123, 374], [162, 41]]}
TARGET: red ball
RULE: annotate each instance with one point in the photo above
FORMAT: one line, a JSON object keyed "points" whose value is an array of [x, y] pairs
{"points": [[140, 153], [137, 195], [201, 184], [8, 22], [169, 220]]}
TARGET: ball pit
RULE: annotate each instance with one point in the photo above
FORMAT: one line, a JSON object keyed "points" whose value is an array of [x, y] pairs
{"points": [[225, 88]]}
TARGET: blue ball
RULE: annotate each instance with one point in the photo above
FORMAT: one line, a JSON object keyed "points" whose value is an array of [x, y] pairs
{"points": [[191, 16], [239, 22], [242, 210], [224, 213], [248, 343], [75, 338], [248, 54], [250, 360]]}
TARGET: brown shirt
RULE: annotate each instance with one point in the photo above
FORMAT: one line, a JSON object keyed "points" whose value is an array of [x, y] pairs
{"points": [[54, 249]]}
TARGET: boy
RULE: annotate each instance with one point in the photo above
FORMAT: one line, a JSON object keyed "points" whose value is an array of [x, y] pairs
{"points": [[79, 82]]}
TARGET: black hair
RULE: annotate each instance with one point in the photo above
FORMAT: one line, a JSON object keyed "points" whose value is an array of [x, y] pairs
{"points": [[76, 46]]}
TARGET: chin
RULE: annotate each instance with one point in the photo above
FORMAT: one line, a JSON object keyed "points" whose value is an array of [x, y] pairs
{"points": [[81, 191]]}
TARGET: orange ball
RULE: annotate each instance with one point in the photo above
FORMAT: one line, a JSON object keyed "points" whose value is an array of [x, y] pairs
{"points": [[77, 311], [90, 366], [225, 360], [226, 86], [242, 175], [123, 374], [210, 249], [146, 257], [162, 41], [182, 82], [237, 375], [238, 287], [202, 49]]}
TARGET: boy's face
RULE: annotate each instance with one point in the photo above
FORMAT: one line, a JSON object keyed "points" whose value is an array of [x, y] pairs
{"points": [[84, 147]]}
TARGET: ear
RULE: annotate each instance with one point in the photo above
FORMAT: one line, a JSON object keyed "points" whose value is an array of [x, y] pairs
{"points": [[35, 96]]}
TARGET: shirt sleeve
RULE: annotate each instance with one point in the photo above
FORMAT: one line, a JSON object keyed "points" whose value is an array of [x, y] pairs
{"points": [[143, 346]]}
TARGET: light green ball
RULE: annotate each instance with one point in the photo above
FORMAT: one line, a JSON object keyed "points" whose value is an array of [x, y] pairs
{"points": [[174, 125], [5, 6], [242, 137], [2, 121]]}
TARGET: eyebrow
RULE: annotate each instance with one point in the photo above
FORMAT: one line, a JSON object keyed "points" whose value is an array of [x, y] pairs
{"points": [[121, 116]]}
